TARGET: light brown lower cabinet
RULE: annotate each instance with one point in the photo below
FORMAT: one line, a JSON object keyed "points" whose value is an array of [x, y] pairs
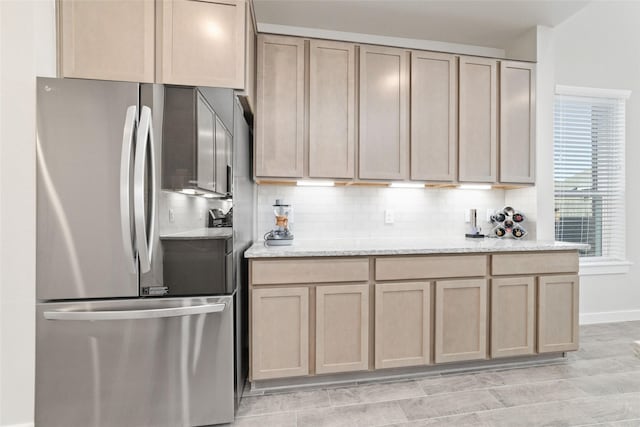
{"points": [[557, 313], [402, 324], [512, 316], [319, 313], [461, 320], [279, 332], [342, 328]]}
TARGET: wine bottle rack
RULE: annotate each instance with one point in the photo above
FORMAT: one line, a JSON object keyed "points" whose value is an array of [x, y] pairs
{"points": [[508, 223]]}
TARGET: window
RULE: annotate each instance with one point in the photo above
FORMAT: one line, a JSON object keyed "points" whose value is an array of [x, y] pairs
{"points": [[589, 139]]}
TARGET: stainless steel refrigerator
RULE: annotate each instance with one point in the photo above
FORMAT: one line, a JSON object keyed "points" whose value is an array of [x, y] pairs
{"points": [[110, 350]]}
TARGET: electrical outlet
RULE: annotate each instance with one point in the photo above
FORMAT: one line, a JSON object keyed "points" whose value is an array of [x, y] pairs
{"points": [[388, 216], [172, 217], [490, 212]]}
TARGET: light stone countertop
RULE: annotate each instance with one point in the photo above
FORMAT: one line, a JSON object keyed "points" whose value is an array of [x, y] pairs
{"points": [[200, 233], [364, 247]]}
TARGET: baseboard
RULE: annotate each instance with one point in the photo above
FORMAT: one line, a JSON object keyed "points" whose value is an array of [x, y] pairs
{"points": [[18, 425], [609, 317]]}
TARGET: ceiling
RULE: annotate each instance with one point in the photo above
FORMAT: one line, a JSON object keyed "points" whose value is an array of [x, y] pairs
{"points": [[479, 22]]}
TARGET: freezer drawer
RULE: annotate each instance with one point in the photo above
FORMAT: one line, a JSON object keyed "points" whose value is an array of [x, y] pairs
{"points": [[153, 362]]}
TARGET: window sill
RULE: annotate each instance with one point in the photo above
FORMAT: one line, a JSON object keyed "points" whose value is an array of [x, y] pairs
{"points": [[598, 268]]}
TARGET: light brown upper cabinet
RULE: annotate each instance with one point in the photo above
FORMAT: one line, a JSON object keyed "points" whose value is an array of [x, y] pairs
{"points": [[558, 299], [331, 109], [434, 120], [249, 94], [461, 320], [517, 122], [280, 107], [478, 120], [203, 43], [384, 113], [107, 40], [342, 328], [512, 316], [184, 42]]}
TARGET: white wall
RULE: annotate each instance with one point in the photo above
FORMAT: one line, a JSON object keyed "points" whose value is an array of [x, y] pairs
{"points": [[27, 49], [600, 47]]}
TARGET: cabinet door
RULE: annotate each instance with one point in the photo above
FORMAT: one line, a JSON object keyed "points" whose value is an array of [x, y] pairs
{"points": [[434, 120], [512, 316], [517, 122], [461, 320], [478, 121], [557, 313], [250, 59], [384, 116], [107, 40], [203, 43], [342, 328], [280, 113], [223, 144], [402, 324], [331, 109], [279, 332], [206, 123]]}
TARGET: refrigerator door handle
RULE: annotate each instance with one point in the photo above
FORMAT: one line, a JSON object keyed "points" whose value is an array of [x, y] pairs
{"points": [[156, 313], [144, 239], [130, 124]]}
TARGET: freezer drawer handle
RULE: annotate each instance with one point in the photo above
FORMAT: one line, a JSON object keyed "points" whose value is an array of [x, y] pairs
{"points": [[154, 313]]}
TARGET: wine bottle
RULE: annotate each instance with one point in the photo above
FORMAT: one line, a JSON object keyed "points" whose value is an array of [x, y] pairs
{"points": [[517, 217], [518, 232]]}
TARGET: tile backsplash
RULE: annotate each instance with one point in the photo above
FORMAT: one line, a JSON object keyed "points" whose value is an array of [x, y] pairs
{"points": [[359, 212]]}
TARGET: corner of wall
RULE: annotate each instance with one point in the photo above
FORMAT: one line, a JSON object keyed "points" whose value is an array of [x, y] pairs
{"points": [[545, 87]]}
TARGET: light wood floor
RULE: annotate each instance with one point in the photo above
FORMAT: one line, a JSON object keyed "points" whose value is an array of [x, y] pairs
{"points": [[598, 385]]}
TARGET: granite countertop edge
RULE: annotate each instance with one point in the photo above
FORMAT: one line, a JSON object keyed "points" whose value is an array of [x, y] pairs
{"points": [[200, 234], [321, 249]]}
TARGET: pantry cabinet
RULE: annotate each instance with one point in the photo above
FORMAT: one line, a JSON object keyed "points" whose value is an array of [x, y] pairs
{"points": [[402, 324], [331, 109], [280, 332], [342, 328], [517, 122], [434, 120], [107, 40], [460, 320], [478, 138], [558, 313], [202, 42], [512, 316], [279, 148], [384, 113]]}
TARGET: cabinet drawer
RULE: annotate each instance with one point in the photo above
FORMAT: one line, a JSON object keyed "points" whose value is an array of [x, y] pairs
{"points": [[430, 267], [536, 263], [299, 270]]}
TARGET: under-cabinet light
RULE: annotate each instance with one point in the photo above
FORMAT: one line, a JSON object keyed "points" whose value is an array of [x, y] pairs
{"points": [[208, 196], [189, 191], [406, 185], [314, 183], [474, 186]]}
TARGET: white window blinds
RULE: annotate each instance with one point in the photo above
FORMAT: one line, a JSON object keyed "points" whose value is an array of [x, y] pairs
{"points": [[589, 173]]}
